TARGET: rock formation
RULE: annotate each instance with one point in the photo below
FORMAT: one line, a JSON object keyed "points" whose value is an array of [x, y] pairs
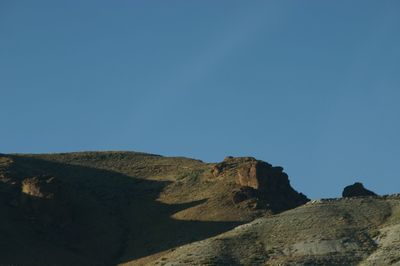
{"points": [[40, 187], [260, 180], [356, 190]]}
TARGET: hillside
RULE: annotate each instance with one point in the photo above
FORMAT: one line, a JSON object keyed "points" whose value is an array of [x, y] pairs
{"points": [[361, 231], [109, 208]]}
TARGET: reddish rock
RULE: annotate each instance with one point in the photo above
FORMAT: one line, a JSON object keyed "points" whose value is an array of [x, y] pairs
{"points": [[260, 180], [247, 176]]}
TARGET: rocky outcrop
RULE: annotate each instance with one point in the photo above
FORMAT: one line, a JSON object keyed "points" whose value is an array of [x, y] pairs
{"points": [[357, 190], [262, 181], [40, 187], [42, 199], [243, 194]]}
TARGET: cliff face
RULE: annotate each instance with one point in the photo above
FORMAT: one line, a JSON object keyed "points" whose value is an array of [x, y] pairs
{"points": [[259, 180]]}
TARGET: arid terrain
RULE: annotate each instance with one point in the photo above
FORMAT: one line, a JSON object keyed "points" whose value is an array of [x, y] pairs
{"points": [[129, 208]]}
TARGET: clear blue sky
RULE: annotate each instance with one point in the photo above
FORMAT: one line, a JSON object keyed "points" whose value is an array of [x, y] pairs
{"points": [[309, 85]]}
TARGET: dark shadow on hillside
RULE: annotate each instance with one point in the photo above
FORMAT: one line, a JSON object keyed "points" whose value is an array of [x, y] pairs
{"points": [[97, 216], [153, 236]]}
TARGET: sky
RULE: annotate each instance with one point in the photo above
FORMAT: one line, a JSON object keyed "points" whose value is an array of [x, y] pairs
{"points": [[312, 86]]}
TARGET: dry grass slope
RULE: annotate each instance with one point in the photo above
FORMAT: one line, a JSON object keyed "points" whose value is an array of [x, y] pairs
{"points": [[109, 208], [336, 232]]}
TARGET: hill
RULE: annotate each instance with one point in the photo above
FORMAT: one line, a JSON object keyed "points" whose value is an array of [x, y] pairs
{"points": [[107, 208], [130, 208], [354, 231]]}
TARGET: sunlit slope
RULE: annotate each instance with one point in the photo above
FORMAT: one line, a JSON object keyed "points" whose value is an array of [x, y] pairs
{"points": [[335, 232]]}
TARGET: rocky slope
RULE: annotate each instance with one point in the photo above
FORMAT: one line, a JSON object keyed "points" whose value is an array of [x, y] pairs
{"points": [[268, 186], [106, 208], [352, 231]]}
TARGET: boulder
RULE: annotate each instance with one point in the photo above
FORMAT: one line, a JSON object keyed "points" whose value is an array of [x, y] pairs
{"points": [[40, 187], [357, 190], [42, 199]]}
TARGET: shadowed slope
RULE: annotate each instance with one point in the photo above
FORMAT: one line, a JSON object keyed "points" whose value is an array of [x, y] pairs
{"points": [[102, 216]]}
